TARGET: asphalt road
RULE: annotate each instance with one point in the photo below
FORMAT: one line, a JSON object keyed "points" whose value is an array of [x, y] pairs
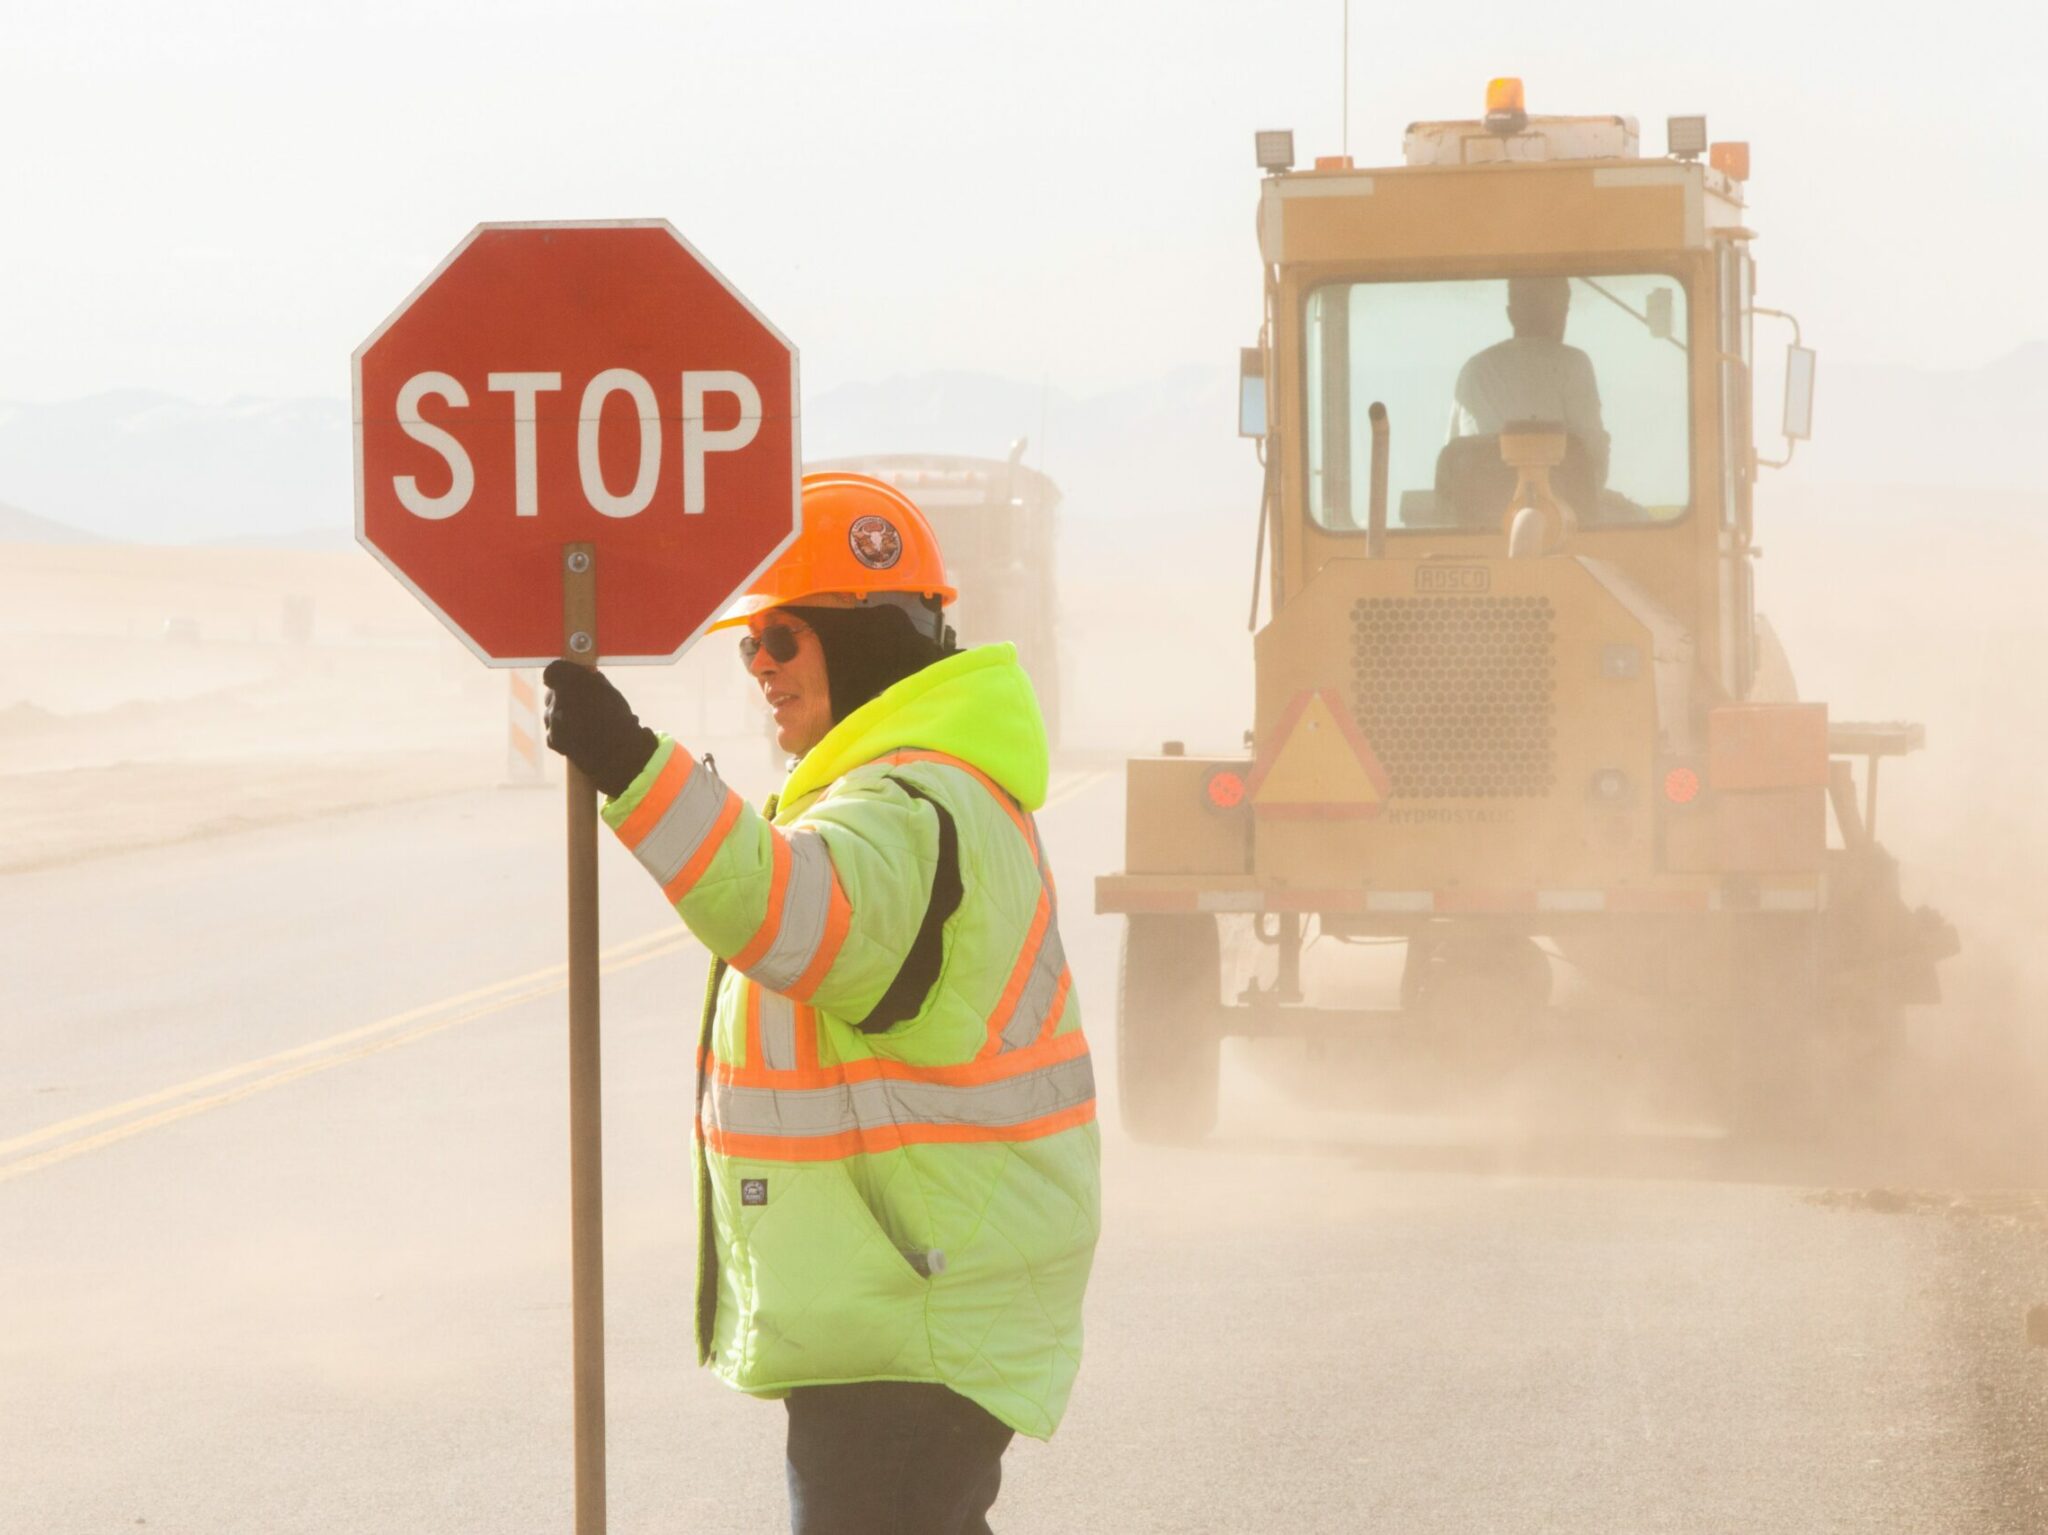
{"points": [[284, 1247]]}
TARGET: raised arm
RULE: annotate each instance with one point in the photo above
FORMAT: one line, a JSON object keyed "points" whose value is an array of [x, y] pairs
{"points": [[824, 910]]}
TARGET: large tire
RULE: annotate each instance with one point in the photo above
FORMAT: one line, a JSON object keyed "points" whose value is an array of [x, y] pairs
{"points": [[1169, 1034]]}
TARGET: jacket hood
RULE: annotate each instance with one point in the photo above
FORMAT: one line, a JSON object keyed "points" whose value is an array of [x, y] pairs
{"points": [[976, 705]]}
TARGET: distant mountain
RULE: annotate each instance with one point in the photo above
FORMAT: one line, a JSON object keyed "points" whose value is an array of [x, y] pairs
{"points": [[1160, 456], [149, 468], [951, 412], [1141, 466], [19, 527]]}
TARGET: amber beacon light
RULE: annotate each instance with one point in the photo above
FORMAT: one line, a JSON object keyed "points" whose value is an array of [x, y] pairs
{"points": [[1685, 138], [1505, 110]]}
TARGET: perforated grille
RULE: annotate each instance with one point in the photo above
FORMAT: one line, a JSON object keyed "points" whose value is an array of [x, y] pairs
{"points": [[1455, 693]]}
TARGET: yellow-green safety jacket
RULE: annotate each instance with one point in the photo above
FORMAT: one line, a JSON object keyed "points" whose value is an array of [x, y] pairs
{"points": [[916, 1199]]}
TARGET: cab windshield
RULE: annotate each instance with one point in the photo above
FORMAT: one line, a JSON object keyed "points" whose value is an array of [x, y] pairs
{"points": [[1601, 358]]}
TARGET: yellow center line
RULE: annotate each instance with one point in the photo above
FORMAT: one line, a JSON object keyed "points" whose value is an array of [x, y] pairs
{"points": [[368, 1039], [263, 1073]]}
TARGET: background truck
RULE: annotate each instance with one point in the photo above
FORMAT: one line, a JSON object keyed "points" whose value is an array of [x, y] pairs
{"points": [[1513, 697], [996, 519]]}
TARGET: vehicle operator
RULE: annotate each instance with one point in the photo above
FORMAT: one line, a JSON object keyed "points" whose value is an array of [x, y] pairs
{"points": [[896, 1147], [1533, 376]]}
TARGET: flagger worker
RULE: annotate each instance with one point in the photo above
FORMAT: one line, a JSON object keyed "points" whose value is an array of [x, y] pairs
{"points": [[1533, 375], [896, 1147]]}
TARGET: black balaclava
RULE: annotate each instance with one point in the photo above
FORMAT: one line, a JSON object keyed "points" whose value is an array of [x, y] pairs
{"points": [[868, 650]]}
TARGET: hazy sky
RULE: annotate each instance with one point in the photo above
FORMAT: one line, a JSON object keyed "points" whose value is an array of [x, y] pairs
{"points": [[217, 199]]}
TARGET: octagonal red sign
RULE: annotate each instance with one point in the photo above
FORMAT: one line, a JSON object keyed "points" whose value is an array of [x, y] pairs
{"points": [[589, 383]]}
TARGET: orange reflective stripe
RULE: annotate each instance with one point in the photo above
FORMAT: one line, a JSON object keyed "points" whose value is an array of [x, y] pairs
{"points": [[878, 1138], [806, 1038], [763, 1103], [685, 810], [801, 914], [1020, 976], [977, 1072], [692, 871], [1038, 856], [1000, 794], [661, 794], [771, 915], [771, 1024], [781, 1103], [838, 922], [750, 1016]]}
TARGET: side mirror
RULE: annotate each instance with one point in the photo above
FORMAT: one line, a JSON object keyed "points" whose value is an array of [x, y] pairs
{"points": [[1657, 313], [1799, 362], [1251, 392]]}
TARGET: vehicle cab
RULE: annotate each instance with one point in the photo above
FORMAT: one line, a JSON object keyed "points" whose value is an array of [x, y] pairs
{"points": [[1433, 287]]}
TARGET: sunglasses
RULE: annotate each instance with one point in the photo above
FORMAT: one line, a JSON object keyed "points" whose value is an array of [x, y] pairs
{"points": [[779, 640]]}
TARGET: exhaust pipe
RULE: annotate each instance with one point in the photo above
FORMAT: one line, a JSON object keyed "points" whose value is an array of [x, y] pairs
{"points": [[1376, 508]]}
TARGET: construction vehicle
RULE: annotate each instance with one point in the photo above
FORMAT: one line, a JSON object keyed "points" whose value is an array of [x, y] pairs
{"points": [[1513, 699], [996, 519]]}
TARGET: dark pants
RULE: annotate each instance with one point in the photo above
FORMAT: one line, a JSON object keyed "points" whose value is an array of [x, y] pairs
{"points": [[891, 1458]]}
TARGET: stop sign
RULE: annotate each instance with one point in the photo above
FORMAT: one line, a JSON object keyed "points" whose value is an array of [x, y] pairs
{"points": [[596, 384]]}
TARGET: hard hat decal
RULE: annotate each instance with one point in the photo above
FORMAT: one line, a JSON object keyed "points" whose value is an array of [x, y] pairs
{"points": [[861, 535], [875, 542], [1318, 765]]}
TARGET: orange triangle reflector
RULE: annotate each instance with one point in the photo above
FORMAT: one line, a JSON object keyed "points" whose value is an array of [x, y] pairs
{"points": [[1320, 767]]}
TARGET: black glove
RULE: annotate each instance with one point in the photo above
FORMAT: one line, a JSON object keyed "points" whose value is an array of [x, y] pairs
{"points": [[589, 722]]}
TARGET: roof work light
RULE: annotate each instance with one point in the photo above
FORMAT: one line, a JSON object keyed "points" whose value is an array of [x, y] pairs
{"points": [[1685, 138], [1505, 111], [1275, 149]]}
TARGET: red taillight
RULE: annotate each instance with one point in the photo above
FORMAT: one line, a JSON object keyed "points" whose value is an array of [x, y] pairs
{"points": [[1681, 786], [1226, 789]]}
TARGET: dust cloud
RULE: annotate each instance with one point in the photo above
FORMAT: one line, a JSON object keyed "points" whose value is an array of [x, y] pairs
{"points": [[151, 695], [1921, 603], [1893, 603], [156, 695]]}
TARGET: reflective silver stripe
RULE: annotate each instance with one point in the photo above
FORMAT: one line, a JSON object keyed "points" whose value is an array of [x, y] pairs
{"points": [[806, 901], [1039, 991], [816, 1111], [778, 1030], [683, 826]]}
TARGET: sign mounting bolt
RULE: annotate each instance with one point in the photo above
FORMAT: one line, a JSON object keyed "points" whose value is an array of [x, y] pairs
{"points": [[578, 561], [580, 643]]}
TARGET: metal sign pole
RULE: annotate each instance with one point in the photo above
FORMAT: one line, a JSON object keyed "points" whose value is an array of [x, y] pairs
{"points": [[586, 1142], [638, 298]]}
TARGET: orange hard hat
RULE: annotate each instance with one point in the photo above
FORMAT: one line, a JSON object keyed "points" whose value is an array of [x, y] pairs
{"points": [[860, 535]]}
